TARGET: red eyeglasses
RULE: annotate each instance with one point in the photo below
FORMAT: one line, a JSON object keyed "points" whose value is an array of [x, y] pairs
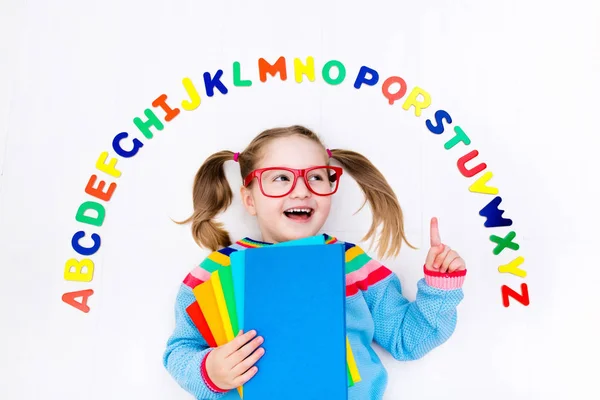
{"points": [[280, 181]]}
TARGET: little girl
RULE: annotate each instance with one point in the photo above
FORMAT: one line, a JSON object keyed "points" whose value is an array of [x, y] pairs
{"points": [[287, 184]]}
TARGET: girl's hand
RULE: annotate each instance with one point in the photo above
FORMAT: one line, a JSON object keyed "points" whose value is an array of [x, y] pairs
{"points": [[232, 364], [442, 258]]}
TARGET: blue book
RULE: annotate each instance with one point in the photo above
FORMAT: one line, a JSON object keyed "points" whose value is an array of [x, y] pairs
{"points": [[295, 297], [238, 270]]}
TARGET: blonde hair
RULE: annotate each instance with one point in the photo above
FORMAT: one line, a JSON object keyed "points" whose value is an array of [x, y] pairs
{"points": [[209, 203]]}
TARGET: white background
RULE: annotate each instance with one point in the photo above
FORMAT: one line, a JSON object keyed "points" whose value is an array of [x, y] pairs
{"points": [[520, 77]]}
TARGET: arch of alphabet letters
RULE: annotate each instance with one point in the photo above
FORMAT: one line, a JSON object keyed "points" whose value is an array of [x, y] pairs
{"points": [[91, 212]]}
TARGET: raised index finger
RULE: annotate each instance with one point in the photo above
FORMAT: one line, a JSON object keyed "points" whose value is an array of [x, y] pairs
{"points": [[435, 239]]}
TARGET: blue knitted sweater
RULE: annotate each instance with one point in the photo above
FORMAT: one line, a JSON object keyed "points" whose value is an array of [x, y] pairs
{"points": [[376, 311]]}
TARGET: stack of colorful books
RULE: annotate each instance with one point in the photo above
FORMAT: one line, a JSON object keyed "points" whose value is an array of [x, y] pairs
{"points": [[293, 295]]}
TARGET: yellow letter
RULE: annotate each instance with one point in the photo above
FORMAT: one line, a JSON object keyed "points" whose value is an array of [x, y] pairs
{"points": [[301, 69], [513, 267], [74, 270], [411, 100], [110, 168], [480, 185], [193, 93]]}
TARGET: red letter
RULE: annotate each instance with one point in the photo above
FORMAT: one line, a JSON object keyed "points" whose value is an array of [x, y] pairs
{"points": [[521, 298], [467, 173], [70, 297], [385, 89]]}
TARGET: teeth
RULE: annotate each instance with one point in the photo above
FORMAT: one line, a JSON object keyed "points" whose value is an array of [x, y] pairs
{"points": [[306, 210]]}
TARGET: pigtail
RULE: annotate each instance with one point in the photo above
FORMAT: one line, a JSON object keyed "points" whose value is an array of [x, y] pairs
{"points": [[382, 199], [211, 196]]}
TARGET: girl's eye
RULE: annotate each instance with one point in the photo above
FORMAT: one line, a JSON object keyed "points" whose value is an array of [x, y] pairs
{"points": [[281, 178], [316, 177]]}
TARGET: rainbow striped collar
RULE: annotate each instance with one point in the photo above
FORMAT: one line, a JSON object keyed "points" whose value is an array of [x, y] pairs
{"points": [[251, 243]]}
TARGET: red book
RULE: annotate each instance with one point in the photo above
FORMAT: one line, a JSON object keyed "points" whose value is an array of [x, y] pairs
{"points": [[198, 319]]}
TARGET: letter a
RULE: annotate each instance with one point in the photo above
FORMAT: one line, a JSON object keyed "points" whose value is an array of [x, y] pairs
{"points": [[70, 297]]}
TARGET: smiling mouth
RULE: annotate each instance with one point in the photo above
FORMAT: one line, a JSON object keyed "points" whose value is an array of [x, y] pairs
{"points": [[299, 214]]}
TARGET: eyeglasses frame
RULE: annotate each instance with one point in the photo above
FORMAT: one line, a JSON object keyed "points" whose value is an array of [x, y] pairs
{"points": [[257, 173]]}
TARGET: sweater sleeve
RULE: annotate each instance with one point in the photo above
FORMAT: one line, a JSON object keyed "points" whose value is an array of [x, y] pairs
{"points": [[186, 351], [411, 329]]}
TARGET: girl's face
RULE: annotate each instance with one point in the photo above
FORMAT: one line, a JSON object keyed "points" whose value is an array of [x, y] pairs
{"points": [[276, 222]]}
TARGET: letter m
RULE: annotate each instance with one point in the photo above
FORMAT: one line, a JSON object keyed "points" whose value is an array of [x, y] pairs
{"points": [[264, 67]]}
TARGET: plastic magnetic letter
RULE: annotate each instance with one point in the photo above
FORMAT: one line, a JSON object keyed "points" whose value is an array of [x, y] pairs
{"points": [[307, 69], [412, 100], [161, 101], [326, 72], [85, 251], [70, 297], [513, 267], [265, 68], [493, 214], [479, 186], [237, 80], [211, 83], [87, 206], [385, 89], [98, 191], [362, 77], [137, 144], [107, 168], [440, 116], [190, 89], [460, 136], [522, 297], [468, 173], [144, 126], [79, 271], [505, 242]]}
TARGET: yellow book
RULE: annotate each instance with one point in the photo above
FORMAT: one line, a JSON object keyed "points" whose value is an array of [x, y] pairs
{"points": [[211, 299], [224, 313], [205, 294], [351, 362]]}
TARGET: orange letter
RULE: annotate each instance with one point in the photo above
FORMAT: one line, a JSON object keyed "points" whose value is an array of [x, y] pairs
{"points": [[97, 192], [264, 67], [70, 297], [161, 101]]}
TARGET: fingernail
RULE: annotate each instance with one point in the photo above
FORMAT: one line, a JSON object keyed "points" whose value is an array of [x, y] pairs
{"points": [[253, 332]]}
